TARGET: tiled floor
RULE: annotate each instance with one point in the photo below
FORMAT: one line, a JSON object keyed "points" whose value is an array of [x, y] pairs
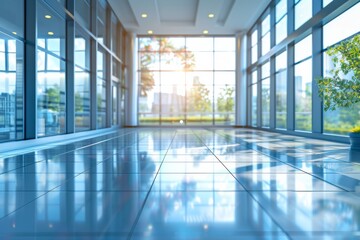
{"points": [[182, 184]]}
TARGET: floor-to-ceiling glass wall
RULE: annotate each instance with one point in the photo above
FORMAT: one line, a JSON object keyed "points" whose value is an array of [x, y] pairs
{"points": [[51, 82], [82, 80], [185, 80], [11, 71], [303, 84], [340, 120], [265, 95], [77, 48], [281, 90], [296, 50]]}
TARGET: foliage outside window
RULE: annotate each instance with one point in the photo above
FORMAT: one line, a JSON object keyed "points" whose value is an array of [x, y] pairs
{"points": [[341, 89], [185, 81]]}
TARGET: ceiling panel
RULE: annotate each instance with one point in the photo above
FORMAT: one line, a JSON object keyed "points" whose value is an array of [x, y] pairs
{"points": [[177, 11], [188, 17]]}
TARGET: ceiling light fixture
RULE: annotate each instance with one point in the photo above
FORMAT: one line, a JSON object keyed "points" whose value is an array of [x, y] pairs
{"points": [[51, 33], [150, 32], [144, 15], [14, 33], [205, 32], [48, 16], [211, 15]]}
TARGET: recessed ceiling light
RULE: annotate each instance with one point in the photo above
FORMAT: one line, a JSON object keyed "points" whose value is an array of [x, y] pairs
{"points": [[144, 15], [14, 33], [211, 15], [50, 33], [48, 16], [205, 32], [150, 32]]}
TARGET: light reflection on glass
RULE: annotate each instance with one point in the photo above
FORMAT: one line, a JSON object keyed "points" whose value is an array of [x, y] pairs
{"points": [[11, 89], [177, 81]]}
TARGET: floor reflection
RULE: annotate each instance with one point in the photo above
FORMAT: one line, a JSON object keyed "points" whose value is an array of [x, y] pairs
{"points": [[182, 184]]}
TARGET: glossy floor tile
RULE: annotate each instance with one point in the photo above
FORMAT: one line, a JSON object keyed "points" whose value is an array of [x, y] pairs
{"points": [[176, 184]]}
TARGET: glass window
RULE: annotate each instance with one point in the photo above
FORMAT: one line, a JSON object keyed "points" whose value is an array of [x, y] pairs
{"points": [[254, 105], [303, 84], [12, 17], [82, 100], [303, 96], [82, 13], [101, 103], [199, 44], [82, 49], [254, 77], [114, 34], [11, 85], [51, 83], [265, 44], [265, 95], [101, 89], [101, 22], [265, 25], [303, 12], [149, 99], [148, 44], [82, 80], [254, 46], [281, 90], [177, 44], [265, 70], [281, 30], [303, 49], [225, 103], [281, 62], [224, 77], [116, 72], [115, 105], [149, 61], [177, 88], [265, 33], [100, 65], [341, 27], [219, 62], [224, 44], [265, 102], [200, 60], [280, 10], [342, 119]]}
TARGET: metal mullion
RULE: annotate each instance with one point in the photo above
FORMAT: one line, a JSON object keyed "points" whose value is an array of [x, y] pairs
{"points": [[213, 85], [6, 55], [160, 85], [30, 70], [290, 123], [248, 81], [258, 99], [70, 70], [317, 70], [108, 68], [93, 67], [272, 123]]}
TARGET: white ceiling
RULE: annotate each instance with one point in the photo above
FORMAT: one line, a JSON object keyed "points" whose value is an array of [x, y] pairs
{"points": [[188, 17]]}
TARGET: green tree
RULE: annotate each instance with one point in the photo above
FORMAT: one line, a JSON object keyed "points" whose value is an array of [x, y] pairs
{"points": [[149, 55], [336, 91], [225, 101], [52, 96], [198, 99], [79, 102]]}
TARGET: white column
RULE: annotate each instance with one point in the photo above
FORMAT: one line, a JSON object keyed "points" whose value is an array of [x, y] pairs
{"points": [[131, 82], [241, 76]]}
